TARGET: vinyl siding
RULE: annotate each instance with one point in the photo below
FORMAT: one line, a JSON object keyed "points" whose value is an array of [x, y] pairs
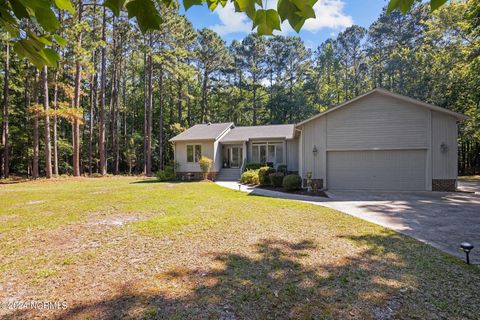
{"points": [[377, 121], [292, 155], [181, 155], [376, 170], [314, 134], [444, 130]]}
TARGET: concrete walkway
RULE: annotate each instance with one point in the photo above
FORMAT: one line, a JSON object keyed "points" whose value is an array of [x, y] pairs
{"points": [[443, 220]]}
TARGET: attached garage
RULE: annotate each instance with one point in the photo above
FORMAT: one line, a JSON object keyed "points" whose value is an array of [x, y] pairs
{"points": [[381, 141], [376, 170]]}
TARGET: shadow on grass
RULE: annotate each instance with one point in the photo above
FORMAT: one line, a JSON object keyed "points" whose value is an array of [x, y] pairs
{"points": [[282, 282], [270, 193]]}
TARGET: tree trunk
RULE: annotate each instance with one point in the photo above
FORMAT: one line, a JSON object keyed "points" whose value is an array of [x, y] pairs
{"points": [[27, 100], [55, 120], [254, 102], [179, 102], [93, 100], [145, 113], [78, 79], [118, 119], [93, 96], [150, 112], [112, 122], [204, 97], [113, 100], [35, 132], [189, 111], [5, 131], [101, 120], [48, 146], [160, 136]]}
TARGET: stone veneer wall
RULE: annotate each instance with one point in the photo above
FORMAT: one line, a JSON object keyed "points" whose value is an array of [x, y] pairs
{"points": [[443, 185], [186, 176]]}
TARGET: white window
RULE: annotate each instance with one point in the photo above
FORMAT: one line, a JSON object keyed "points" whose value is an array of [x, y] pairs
{"points": [[279, 153], [194, 152], [267, 152]]}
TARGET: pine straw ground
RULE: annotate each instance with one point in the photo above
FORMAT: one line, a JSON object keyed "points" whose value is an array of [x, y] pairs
{"points": [[129, 248]]}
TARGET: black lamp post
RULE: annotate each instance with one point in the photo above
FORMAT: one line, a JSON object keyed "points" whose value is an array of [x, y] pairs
{"points": [[466, 247]]}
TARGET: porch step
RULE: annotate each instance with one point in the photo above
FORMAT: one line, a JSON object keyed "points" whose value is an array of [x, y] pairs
{"points": [[228, 174]]}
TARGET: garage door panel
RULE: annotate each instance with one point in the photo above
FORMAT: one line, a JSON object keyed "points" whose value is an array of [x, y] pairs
{"points": [[376, 170]]}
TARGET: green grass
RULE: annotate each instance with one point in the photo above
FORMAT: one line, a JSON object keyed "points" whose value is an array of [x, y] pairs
{"points": [[130, 248]]}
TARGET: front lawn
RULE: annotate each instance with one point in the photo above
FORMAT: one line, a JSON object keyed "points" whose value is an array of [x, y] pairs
{"points": [[131, 248]]}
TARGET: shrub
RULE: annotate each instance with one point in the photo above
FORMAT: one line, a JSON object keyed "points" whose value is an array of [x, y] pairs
{"points": [[253, 166], [276, 178], [282, 168], [168, 172], [249, 177], [205, 165], [264, 175], [292, 182]]}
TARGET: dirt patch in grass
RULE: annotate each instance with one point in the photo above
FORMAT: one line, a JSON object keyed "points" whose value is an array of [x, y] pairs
{"points": [[196, 251], [116, 220]]}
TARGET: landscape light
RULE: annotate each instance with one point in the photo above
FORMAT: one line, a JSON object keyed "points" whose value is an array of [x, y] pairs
{"points": [[466, 247]]}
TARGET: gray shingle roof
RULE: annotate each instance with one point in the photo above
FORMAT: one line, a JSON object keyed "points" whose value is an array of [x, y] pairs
{"points": [[203, 132], [282, 131]]}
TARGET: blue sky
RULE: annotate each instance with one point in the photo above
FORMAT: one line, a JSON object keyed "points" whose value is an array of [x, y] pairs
{"points": [[333, 16]]}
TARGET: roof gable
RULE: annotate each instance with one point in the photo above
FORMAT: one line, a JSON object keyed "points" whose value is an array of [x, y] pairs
{"points": [[419, 103]]}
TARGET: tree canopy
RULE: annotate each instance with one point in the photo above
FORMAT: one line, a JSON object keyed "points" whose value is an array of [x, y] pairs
{"points": [[33, 24]]}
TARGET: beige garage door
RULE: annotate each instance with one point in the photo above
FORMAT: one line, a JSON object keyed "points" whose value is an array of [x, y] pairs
{"points": [[376, 170]]}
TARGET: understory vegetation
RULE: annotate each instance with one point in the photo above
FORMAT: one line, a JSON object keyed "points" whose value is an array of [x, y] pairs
{"points": [[142, 249]]}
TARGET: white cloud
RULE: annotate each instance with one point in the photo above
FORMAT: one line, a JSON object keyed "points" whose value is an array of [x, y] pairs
{"points": [[329, 14], [231, 21]]}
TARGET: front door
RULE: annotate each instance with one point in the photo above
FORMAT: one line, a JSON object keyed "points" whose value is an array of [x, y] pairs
{"points": [[235, 157]]}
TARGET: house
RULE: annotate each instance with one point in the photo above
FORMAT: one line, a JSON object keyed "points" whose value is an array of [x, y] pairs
{"points": [[232, 147], [376, 141]]}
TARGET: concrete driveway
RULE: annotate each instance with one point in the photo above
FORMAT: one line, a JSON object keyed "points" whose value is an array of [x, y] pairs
{"points": [[443, 220], [469, 185]]}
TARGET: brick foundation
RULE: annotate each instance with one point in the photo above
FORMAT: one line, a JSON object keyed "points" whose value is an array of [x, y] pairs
{"points": [[318, 182], [187, 176], [447, 185]]}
